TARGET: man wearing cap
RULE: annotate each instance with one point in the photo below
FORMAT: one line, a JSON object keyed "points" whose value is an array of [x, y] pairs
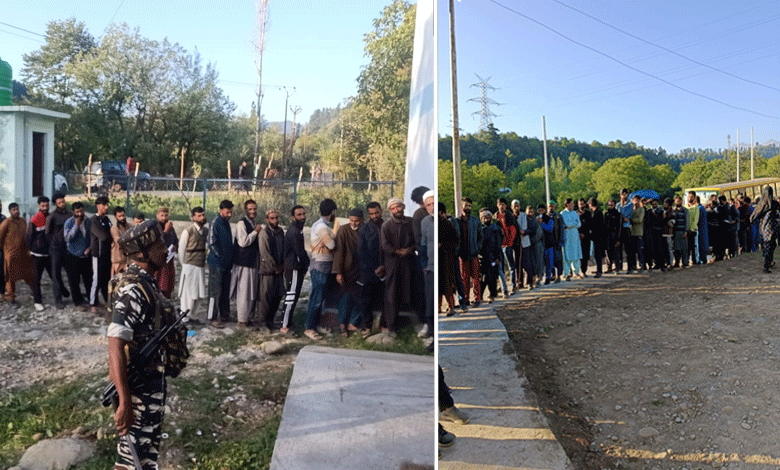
{"points": [[397, 242], [427, 249], [347, 271], [141, 406], [271, 269], [220, 261]]}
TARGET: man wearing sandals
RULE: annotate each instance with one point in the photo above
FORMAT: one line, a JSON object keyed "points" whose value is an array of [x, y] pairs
{"points": [[323, 242]]}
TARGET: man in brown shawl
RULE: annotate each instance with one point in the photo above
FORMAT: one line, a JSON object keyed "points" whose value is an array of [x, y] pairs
{"points": [[16, 259], [271, 270], [118, 259], [347, 271], [397, 241]]}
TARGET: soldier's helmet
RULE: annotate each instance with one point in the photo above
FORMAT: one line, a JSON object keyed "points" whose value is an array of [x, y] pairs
{"points": [[140, 237]]}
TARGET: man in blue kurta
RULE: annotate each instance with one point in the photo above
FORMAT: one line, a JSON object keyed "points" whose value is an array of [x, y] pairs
{"points": [[572, 248]]}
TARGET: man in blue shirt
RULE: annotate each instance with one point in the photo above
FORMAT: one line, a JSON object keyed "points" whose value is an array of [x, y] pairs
{"points": [[78, 259], [626, 209]]}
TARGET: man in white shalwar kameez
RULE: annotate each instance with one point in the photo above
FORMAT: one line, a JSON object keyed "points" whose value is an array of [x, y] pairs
{"points": [[245, 278], [192, 255]]}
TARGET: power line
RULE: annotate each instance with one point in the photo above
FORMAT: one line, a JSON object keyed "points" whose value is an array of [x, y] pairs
{"points": [[112, 16], [666, 49], [700, 95], [25, 37], [22, 29]]}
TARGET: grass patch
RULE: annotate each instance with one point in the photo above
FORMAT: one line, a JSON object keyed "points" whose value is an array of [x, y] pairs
{"points": [[225, 343], [47, 411], [251, 453], [221, 434], [407, 342]]}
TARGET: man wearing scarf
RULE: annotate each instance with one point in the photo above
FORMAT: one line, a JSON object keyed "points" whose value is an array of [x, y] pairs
{"points": [[38, 243]]}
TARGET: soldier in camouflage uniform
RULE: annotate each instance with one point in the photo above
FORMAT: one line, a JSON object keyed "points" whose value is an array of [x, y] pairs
{"points": [[140, 407]]}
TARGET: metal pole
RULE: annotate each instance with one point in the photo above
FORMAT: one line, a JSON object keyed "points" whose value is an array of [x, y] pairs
{"points": [[546, 166], [204, 181], [455, 132], [752, 144], [737, 155], [392, 189]]}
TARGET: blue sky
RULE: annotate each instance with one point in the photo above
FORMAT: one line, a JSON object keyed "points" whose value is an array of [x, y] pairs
{"points": [[587, 96], [315, 47]]}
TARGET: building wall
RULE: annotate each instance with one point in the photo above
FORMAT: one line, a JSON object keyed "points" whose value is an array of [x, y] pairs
{"points": [[17, 125]]}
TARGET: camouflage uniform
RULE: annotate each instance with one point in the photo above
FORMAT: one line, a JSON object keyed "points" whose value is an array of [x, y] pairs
{"points": [[134, 321]]}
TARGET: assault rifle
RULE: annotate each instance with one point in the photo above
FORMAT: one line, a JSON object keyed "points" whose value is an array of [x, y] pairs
{"points": [[140, 360]]}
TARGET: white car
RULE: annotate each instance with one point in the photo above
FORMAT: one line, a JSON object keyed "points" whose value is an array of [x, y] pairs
{"points": [[60, 183]]}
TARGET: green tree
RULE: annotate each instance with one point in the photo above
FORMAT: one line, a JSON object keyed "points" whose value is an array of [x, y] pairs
{"points": [[617, 173], [383, 90]]}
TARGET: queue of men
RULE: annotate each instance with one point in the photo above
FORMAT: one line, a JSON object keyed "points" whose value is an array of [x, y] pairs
{"points": [[369, 264], [524, 248]]}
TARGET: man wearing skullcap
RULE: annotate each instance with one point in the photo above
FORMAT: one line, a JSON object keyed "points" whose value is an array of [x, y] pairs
{"points": [[397, 242]]}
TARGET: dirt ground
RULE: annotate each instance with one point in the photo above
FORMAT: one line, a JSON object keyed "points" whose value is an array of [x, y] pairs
{"points": [[675, 370]]}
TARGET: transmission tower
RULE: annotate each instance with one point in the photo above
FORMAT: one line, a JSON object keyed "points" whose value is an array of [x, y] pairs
{"points": [[485, 115]]}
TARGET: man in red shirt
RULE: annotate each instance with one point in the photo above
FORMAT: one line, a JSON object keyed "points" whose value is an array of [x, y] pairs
{"points": [[508, 223]]}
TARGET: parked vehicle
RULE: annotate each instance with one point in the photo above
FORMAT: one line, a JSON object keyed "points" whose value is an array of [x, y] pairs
{"points": [[112, 176], [60, 183]]}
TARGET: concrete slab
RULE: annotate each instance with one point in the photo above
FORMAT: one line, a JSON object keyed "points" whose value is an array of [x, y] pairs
{"points": [[507, 430], [353, 409]]}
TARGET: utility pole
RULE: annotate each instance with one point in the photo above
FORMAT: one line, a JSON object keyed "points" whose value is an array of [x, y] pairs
{"points": [[737, 155], [485, 115], [752, 145], [546, 166], [262, 23], [294, 111], [455, 134], [284, 131]]}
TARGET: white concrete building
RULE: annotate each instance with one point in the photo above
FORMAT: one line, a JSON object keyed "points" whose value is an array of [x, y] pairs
{"points": [[26, 155]]}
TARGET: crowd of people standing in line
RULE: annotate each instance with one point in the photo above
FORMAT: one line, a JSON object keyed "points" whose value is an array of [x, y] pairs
{"points": [[366, 265], [524, 248]]}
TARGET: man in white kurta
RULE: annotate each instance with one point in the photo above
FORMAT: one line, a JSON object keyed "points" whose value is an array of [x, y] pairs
{"points": [[192, 254], [245, 279]]}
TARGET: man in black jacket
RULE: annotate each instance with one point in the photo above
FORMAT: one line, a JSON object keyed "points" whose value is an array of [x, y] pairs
{"points": [[55, 232], [296, 263], [371, 263], [490, 253], [100, 248], [38, 243]]}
